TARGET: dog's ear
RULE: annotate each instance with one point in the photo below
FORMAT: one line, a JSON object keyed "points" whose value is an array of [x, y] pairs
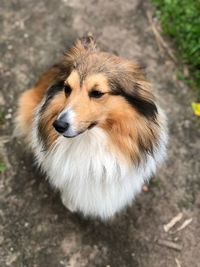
{"points": [[141, 100], [136, 90]]}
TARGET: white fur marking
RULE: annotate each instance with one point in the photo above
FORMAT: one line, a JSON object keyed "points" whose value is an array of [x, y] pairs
{"points": [[68, 115], [93, 180]]}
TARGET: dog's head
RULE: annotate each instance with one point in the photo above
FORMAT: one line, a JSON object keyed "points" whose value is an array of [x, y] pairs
{"points": [[98, 89]]}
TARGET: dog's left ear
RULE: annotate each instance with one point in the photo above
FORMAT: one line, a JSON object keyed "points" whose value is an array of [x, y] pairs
{"points": [[136, 90], [142, 100]]}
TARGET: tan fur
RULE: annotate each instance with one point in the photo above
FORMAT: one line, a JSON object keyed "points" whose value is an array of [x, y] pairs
{"points": [[73, 80], [30, 99], [124, 127], [27, 103], [97, 82]]}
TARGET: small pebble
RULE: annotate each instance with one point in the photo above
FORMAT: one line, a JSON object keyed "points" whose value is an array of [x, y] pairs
{"points": [[8, 116], [145, 188], [2, 100], [187, 123], [55, 217], [1, 240], [26, 224], [10, 47]]}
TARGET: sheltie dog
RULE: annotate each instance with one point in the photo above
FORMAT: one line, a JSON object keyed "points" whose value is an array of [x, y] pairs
{"points": [[95, 128]]}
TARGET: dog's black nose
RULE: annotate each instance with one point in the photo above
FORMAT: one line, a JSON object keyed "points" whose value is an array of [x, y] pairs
{"points": [[60, 126]]}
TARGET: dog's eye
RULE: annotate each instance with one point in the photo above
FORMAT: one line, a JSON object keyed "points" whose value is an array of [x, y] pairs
{"points": [[96, 94], [67, 89]]}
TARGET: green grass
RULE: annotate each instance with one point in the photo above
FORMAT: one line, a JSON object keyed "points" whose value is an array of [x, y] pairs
{"points": [[2, 117], [2, 167], [180, 19]]}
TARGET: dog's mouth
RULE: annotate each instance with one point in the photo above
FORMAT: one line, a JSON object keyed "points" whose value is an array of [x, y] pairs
{"points": [[91, 126]]}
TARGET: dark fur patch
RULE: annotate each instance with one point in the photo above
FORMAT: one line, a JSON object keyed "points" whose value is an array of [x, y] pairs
{"points": [[51, 92], [147, 148], [144, 106]]}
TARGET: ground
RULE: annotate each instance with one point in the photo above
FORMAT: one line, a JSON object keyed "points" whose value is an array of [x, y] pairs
{"points": [[35, 229]]}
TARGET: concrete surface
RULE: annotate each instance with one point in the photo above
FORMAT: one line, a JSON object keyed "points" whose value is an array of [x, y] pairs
{"points": [[35, 229]]}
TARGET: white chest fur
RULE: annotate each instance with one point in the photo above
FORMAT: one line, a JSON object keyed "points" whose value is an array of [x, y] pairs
{"points": [[89, 177]]}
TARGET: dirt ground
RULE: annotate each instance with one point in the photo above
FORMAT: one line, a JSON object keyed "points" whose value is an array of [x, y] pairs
{"points": [[35, 229]]}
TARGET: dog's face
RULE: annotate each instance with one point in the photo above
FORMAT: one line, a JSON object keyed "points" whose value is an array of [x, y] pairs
{"points": [[100, 90], [88, 102]]}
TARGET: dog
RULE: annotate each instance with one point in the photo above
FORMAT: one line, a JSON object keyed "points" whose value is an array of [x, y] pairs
{"points": [[95, 128]]}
